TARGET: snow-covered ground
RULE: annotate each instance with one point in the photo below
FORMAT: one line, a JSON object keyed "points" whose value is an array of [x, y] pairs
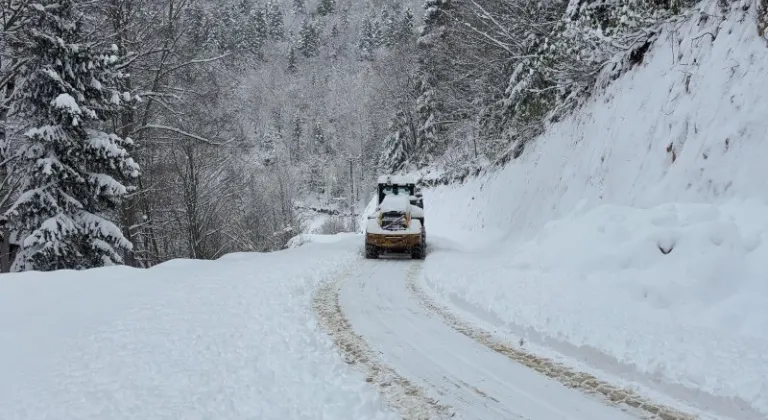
{"points": [[228, 339], [638, 226]]}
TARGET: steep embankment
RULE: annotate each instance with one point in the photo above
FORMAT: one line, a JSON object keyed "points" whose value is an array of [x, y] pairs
{"points": [[637, 227]]}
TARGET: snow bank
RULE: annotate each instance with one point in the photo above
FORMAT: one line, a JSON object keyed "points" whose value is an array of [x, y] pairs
{"points": [[306, 238], [227, 339], [370, 209], [695, 316], [569, 237]]}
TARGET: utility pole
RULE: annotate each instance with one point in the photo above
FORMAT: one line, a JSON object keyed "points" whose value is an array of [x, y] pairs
{"points": [[352, 195]]}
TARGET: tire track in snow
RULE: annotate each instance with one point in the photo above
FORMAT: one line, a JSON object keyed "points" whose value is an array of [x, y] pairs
{"points": [[409, 400], [571, 378]]}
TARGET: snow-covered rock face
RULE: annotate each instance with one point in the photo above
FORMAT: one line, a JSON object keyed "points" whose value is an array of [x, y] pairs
{"points": [[597, 238]]}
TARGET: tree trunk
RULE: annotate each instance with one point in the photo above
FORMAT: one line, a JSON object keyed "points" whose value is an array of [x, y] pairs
{"points": [[5, 251]]}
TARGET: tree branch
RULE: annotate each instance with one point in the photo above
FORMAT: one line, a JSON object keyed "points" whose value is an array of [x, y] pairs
{"points": [[180, 132]]}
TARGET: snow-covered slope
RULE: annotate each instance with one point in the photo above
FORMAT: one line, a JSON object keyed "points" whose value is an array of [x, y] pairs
{"points": [[228, 339], [637, 227]]}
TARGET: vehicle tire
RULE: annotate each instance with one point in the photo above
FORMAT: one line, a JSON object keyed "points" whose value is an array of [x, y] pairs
{"points": [[371, 252], [417, 252]]}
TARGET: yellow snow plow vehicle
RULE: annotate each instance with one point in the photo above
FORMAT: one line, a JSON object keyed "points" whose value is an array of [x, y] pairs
{"points": [[397, 225]]}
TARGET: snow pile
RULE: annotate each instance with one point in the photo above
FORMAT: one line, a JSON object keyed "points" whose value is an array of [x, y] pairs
{"points": [[398, 203], [227, 339], [306, 238], [637, 225], [370, 209]]}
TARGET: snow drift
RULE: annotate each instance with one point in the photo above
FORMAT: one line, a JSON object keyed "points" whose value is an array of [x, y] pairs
{"points": [[637, 226], [232, 338]]}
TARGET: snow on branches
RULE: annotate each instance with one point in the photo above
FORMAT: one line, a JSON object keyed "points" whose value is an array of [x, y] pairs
{"points": [[73, 171]]}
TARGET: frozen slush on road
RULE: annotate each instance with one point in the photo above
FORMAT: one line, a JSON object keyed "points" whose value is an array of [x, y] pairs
{"points": [[471, 378], [228, 339]]}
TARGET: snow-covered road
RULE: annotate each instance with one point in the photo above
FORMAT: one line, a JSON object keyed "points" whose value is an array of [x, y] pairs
{"points": [[451, 367]]}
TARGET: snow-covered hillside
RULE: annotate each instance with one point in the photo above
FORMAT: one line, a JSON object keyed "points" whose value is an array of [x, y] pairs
{"points": [[638, 226], [228, 339]]}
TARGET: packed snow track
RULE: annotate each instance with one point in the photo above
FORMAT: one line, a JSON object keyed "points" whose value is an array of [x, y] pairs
{"points": [[450, 367]]}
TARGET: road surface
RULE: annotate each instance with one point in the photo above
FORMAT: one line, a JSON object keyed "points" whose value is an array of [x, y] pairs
{"points": [[452, 368]]}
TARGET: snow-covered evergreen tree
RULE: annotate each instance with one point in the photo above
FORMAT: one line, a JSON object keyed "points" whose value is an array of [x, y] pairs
{"points": [[73, 170], [309, 38], [388, 29], [296, 139], [269, 146], [274, 19], [245, 28], [367, 41], [398, 145], [320, 142], [299, 6], [378, 33], [326, 7], [292, 60], [405, 27], [432, 62]]}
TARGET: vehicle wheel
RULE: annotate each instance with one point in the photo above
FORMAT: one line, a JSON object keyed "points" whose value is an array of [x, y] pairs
{"points": [[371, 252], [417, 252]]}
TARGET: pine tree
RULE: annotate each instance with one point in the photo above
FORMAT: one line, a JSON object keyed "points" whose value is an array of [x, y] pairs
{"points": [[269, 147], [326, 7], [432, 61], [296, 136], [317, 160], [309, 38], [298, 6], [73, 172], [435, 16], [378, 35], [398, 145], [320, 143], [427, 109], [292, 61], [244, 29], [388, 28], [367, 42], [404, 28], [344, 18], [274, 19], [277, 121], [258, 31]]}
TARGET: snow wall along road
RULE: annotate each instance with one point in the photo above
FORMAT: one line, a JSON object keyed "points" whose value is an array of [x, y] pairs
{"points": [[638, 226]]}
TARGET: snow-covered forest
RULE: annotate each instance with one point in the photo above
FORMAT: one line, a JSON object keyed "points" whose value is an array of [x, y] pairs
{"points": [[138, 131]]}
